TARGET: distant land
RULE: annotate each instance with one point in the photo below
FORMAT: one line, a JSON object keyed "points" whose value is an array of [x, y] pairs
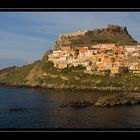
{"points": [[6, 62], [99, 59]]}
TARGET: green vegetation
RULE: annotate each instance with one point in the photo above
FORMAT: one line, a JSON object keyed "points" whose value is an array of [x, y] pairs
{"points": [[43, 72], [92, 38], [111, 34], [47, 66], [77, 77], [70, 77], [16, 75]]}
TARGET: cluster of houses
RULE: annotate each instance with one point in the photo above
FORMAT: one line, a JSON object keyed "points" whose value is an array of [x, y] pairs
{"points": [[99, 59]]}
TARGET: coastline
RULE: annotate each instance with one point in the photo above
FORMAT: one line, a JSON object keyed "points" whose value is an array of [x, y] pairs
{"points": [[110, 89], [108, 96]]}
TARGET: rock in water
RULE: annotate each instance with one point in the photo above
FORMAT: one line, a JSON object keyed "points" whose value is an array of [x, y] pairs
{"points": [[81, 103], [17, 109], [118, 99]]}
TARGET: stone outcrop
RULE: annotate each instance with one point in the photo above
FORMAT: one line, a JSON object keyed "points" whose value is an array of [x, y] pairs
{"points": [[118, 99], [81, 103], [33, 77], [110, 34]]}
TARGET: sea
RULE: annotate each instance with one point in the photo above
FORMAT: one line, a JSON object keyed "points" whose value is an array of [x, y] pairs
{"points": [[33, 108]]}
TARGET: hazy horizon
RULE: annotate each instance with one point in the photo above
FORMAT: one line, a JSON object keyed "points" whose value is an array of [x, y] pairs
{"points": [[25, 36]]}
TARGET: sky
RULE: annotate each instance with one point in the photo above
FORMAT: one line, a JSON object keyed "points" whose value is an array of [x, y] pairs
{"points": [[25, 36]]}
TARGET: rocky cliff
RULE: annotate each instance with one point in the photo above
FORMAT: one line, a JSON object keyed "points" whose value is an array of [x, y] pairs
{"points": [[110, 34]]}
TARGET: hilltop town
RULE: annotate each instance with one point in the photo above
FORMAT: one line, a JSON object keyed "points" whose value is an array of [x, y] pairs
{"points": [[100, 58]]}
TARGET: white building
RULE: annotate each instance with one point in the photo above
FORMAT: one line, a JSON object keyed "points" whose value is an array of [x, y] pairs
{"points": [[130, 49]]}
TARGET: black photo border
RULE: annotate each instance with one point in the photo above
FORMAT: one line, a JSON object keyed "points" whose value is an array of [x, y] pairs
{"points": [[70, 6]]}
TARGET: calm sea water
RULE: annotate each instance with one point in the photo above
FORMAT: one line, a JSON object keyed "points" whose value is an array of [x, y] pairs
{"points": [[41, 108]]}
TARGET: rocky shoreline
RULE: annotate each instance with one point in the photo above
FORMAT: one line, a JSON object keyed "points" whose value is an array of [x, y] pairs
{"points": [[63, 87], [73, 87], [115, 99], [119, 97]]}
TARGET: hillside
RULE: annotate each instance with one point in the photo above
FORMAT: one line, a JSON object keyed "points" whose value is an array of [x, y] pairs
{"points": [[42, 73], [111, 34]]}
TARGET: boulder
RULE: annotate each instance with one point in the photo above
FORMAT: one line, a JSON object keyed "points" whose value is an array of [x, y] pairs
{"points": [[81, 103]]}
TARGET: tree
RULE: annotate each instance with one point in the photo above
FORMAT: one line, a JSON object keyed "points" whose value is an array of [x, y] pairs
{"points": [[77, 52]]}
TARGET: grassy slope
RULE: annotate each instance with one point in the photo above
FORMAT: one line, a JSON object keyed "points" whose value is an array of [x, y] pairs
{"points": [[69, 77], [16, 75], [78, 78]]}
